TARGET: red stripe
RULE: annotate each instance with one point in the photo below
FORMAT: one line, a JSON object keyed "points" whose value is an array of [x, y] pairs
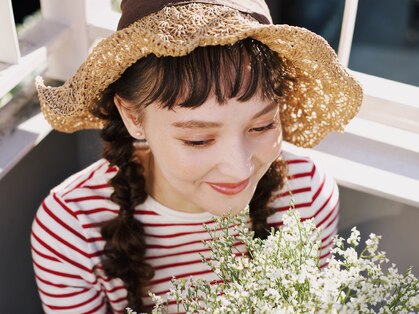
{"points": [[96, 309], [313, 171], [297, 161], [333, 211], [276, 224], [64, 242], [298, 175], [326, 202], [87, 179], [336, 216], [95, 211], [63, 295], [328, 243], [97, 187], [112, 169], [208, 223], [115, 289], [99, 224], [93, 225], [236, 244], [68, 307], [64, 206], [192, 262], [87, 198], [300, 205], [57, 273], [116, 211], [174, 235], [303, 174], [284, 208], [59, 221], [49, 283], [64, 257], [146, 212], [118, 300], [161, 246], [293, 192], [325, 255], [166, 279], [317, 193], [51, 258], [176, 254], [328, 236]]}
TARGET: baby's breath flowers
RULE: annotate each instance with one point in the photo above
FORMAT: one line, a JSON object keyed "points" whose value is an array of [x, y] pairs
{"points": [[282, 274]]}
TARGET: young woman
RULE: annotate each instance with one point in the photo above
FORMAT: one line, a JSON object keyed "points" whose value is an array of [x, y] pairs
{"points": [[193, 100]]}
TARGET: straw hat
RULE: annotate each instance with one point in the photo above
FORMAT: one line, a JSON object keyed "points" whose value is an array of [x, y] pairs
{"points": [[324, 98]]}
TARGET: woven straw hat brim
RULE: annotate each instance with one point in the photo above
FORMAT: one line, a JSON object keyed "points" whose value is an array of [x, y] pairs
{"points": [[324, 98]]}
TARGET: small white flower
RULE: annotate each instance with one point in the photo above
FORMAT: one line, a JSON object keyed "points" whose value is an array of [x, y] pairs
{"points": [[283, 276], [354, 238]]}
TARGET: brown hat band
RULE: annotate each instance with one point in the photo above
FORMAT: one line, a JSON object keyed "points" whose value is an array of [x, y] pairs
{"points": [[133, 10]]}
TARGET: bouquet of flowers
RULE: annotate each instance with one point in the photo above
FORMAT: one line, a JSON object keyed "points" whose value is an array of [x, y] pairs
{"points": [[282, 275]]}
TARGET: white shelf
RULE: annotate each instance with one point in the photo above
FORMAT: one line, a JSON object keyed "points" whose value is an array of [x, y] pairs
{"points": [[372, 158], [35, 46], [21, 141]]}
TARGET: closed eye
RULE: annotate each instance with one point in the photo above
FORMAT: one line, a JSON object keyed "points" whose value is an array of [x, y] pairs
{"points": [[262, 129], [197, 144]]}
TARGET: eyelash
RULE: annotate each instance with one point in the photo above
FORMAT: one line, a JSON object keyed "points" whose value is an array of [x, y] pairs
{"points": [[201, 144], [265, 128]]}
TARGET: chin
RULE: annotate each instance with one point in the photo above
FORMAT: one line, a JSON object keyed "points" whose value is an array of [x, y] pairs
{"points": [[232, 207]]}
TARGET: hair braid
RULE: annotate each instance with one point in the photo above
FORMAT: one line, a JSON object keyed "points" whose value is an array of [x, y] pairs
{"points": [[273, 180], [125, 242]]}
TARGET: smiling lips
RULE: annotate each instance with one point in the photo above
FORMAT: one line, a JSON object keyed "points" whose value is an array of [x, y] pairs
{"points": [[229, 188]]}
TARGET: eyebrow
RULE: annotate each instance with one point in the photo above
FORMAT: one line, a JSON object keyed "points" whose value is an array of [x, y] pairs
{"points": [[197, 124]]}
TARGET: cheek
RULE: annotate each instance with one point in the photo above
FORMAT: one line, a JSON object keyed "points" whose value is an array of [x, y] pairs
{"points": [[177, 163], [268, 147]]}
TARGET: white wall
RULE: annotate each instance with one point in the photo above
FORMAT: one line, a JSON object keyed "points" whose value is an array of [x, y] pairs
{"points": [[395, 222]]}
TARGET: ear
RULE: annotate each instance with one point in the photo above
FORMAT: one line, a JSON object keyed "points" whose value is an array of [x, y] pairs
{"points": [[132, 122]]}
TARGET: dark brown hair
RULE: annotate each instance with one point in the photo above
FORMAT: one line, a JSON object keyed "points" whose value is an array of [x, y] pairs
{"points": [[241, 70]]}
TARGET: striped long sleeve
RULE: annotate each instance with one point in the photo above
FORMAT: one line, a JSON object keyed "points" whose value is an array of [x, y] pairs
{"points": [[66, 259]]}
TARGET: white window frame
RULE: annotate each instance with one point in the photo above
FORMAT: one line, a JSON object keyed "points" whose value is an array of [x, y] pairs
{"points": [[386, 128]]}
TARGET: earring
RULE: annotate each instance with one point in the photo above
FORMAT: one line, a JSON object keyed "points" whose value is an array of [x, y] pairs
{"points": [[138, 134]]}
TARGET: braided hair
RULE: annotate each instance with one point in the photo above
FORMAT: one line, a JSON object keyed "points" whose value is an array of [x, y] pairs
{"points": [[174, 81]]}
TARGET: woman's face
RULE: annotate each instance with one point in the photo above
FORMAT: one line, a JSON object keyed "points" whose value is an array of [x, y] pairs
{"points": [[211, 158]]}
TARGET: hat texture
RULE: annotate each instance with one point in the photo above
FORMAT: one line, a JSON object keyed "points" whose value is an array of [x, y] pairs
{"points": [[324, 97]]}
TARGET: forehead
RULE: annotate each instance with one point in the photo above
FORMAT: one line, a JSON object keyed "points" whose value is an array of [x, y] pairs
{"points": [[210, 111]]}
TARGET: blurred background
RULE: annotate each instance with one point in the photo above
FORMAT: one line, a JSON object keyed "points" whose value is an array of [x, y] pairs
{"points": [[386, 38]]}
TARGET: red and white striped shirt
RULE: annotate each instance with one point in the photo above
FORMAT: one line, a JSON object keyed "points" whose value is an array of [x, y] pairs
{"points": [[67, 246]]}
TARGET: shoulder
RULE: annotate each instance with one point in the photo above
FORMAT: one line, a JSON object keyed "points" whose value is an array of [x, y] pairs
{"points": [[298, 167], [69, 218], [307, 184], [97, 173], [82, 191]]}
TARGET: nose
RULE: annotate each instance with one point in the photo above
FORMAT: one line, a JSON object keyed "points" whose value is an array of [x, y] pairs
{"points": [[236, 162]]}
